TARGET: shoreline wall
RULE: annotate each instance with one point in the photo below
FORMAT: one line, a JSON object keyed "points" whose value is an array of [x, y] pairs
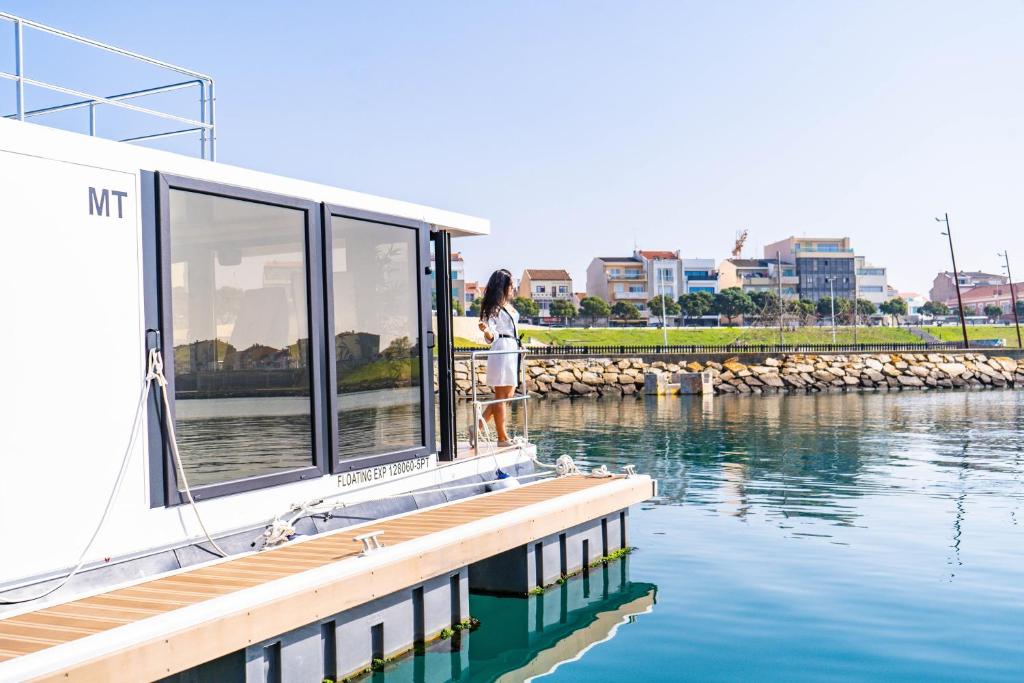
{"points": [[787, 373]]}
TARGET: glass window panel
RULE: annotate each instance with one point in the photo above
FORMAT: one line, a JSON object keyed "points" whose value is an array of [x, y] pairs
{"points": [[376, 337], [241, 337]]}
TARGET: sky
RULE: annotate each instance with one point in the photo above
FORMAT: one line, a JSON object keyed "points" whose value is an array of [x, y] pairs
{"points": [[585, 128]]}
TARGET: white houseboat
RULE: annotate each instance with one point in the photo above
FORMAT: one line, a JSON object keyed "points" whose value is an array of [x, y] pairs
{"points": [[292, 324]]}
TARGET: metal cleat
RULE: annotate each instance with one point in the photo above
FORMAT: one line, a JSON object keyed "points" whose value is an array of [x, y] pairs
{"points": [[370, 542], [630, 470]]}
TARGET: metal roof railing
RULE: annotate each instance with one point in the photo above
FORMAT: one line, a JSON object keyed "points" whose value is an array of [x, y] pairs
{"points": [[204, 125]]}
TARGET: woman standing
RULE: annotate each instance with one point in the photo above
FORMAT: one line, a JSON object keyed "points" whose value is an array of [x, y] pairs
{"points": [[499, 322]]}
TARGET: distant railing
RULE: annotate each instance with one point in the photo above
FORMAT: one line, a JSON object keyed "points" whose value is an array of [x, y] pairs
{"points": [[647, 349], [204, 125]]}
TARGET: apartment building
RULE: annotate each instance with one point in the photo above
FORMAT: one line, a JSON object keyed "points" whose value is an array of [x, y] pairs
{"points": [[545, 287], [699, 275], [664, 271], [872, 282], [825, 266], [759, 275], [978, 297], [944, 285], [619, 278]]}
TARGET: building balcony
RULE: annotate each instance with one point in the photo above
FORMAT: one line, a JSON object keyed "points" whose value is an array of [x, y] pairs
{"points": [[758, 281], [641, 296], [627, 276]]}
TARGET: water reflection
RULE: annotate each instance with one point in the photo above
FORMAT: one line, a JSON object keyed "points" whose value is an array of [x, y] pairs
{"points": [[521, 639]]}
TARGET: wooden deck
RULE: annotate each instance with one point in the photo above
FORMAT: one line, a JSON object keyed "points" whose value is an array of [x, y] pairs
{"points": [[164, 625]]}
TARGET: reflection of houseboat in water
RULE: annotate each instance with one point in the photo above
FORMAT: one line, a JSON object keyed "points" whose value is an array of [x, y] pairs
{"points": [[527, 638], [223, 531]]}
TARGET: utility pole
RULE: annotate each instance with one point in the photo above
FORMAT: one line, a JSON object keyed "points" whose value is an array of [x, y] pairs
{"points": [[956, 279], [661, 286], [1013, 298], [778, 256]]}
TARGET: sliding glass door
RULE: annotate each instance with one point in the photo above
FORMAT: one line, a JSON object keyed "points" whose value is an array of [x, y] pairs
{"points": [[379, 322]]}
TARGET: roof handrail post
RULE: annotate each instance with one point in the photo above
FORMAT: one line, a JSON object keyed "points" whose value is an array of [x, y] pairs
{"points": [[19, 67]]}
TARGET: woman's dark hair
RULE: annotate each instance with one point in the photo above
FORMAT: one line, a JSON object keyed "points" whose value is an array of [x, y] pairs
{"points": [[494, 293]]}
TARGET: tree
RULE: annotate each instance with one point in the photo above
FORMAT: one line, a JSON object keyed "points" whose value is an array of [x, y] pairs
{"points": [[457, 306], [527, 308], [824, 307], [935, 308], [765, 306], [866, 308], [894, 307], [696, 304], [732, 302], [594, 307], [560, 308], [993, 311], [671, 307], [623, 310], [802, 309], [1020, 308], [474, 308]]}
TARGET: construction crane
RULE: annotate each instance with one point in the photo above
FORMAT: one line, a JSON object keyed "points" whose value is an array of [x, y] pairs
{"points": [[737, 249]]}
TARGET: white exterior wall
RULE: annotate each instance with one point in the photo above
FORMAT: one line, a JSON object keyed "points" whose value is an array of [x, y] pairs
{"points": [[597, 281], [671, 288], [73, 343], [873, 287]]}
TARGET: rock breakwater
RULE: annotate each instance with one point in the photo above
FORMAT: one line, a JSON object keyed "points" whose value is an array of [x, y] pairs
{"points": [[791, 373]]}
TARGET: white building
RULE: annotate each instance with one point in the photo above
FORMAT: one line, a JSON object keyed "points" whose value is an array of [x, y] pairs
{"points": [[699, 275], [872, 282]]}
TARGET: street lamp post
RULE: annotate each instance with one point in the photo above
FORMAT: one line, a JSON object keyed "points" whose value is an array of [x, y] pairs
{"points": [[832, 302], [778, 269], [956, 279], [855, 302], [1013, 298]]}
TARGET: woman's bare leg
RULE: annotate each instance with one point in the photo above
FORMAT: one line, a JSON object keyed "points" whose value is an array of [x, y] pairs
{"points": [[500, 411]]}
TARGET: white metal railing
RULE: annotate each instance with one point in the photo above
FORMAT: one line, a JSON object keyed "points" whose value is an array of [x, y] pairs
{"points": [[478, 404], [204, 125]]}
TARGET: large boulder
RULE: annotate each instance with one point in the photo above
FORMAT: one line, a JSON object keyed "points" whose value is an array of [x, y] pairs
{"points": [[890, 370], [874, 375], [566, 377], [1007, 364], [734, 366], [582, 389]]}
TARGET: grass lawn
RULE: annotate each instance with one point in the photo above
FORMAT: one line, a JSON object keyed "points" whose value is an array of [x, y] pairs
{"points": [[707, 336], [954, 333]]}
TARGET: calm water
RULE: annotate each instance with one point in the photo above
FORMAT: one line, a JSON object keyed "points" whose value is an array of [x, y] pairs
{"points": [[832, 537]]}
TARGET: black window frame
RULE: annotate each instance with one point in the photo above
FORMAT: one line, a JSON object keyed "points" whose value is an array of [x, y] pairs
{"points": [[163, 473], [427, 339]]}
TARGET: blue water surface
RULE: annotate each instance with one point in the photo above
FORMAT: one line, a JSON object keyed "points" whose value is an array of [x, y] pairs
{"points": [[833, 537]]}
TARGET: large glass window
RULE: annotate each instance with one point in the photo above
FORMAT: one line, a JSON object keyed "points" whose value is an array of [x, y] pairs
{"points": [[241, 334], [377, 337]]}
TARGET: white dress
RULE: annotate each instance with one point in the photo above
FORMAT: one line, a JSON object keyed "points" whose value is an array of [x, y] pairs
{"points": [[502, 368]]}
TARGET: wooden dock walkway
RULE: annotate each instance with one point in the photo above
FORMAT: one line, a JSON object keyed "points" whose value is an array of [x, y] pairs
{"points": [[157, 627]]}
